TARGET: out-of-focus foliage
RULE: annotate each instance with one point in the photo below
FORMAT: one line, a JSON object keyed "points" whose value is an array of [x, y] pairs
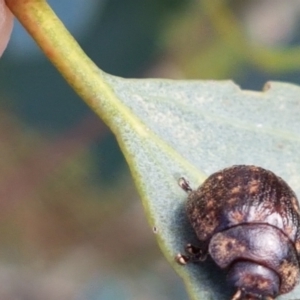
{"points": [[72, 226], [59, 228], [232, 39]]}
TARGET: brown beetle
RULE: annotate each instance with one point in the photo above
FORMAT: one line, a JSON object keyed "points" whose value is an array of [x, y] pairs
{"points": [[247, 219]]}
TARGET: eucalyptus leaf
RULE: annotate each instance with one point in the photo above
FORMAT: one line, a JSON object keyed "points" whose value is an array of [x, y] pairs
{"points": [[169, 129]]}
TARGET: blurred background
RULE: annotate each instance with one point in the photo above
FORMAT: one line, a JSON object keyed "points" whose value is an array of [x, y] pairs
{"points": [[71, 223]]}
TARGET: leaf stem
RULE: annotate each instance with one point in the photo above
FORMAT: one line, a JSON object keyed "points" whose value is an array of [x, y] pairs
{"points": [[64, 52]]}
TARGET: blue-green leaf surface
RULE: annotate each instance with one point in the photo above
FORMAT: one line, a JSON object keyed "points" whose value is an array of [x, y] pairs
{"points": [[168, 129]]}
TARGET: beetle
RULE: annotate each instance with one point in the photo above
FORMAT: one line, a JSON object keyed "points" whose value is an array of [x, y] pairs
{"points": [[247, 219]]}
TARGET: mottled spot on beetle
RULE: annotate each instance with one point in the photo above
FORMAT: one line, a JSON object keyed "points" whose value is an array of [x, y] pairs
{"points": [[194, 214], [295, 204], [211, 219], [254, 168], [236, 190], [204, 224], [263, 284], [224, 249], [219, 193], [236, 217], [229, 246], [207, 225], [289, 230], [233, 200], [289, 275], [210, 203], [297, 246], [254, 186], [257, 281]]}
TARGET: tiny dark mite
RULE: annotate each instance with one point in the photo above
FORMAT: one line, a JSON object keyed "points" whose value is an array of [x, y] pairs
{"points": [[247, 219]]}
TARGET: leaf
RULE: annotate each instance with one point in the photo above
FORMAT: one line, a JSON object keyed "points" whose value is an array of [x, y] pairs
{"points": [[168, 129]]}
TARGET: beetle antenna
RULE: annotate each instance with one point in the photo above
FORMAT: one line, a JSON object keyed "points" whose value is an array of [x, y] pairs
{"points": [[184, 184]]}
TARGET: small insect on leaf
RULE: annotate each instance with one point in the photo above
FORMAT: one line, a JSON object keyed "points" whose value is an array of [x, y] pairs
{"points": [[247, 219]]}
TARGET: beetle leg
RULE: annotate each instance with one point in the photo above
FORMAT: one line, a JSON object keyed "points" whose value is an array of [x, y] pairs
{"points": [[184, 184], [196, 253], [193, 254], [182, 259], [238, 295]]}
